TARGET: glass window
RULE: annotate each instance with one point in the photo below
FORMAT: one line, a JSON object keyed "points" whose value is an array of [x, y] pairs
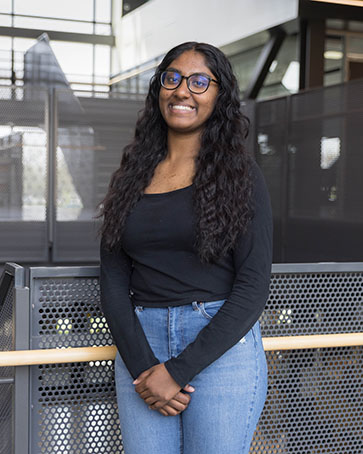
{"points": [[104, 88], [52, 24], [5, 6], [66, 9], [283, 75], [5, 60], [103, 11], [5, 43], [74, 58], [355, 47], [333, 60], [23, 44], [103, 29], [102, 60], [355, 26], [81, 87], [5, 21], [243, 65]]}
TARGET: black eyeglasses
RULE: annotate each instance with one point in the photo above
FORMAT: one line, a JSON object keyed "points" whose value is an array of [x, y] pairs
{"points": [[196, 83]]}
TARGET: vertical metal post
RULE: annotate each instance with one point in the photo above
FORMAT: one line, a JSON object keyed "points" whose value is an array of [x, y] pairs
{"points": [[286, 177], [314, 58], [302, 53], [21, 313], [52, 125]]}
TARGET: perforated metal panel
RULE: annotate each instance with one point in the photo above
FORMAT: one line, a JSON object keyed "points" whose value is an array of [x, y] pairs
{"points": [[75, 409], [74, 405], [67, 313], [315, 396], [314, 402], [305, 303]]}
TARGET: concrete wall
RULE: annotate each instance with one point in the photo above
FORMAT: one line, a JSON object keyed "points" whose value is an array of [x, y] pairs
{"points": [[157, 26]]}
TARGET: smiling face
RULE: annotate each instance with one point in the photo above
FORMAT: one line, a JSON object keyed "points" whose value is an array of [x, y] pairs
{"points": [[183, 111]]}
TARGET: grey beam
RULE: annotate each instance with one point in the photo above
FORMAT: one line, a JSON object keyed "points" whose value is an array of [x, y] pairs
{"points": [[266, 57], [16, 32]]}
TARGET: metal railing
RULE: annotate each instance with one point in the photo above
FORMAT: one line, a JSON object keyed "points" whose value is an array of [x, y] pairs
{"points": [[312, 333]]}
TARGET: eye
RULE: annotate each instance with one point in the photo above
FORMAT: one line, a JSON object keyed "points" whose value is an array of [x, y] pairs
{"points": [[171, 78], [199, 81]]}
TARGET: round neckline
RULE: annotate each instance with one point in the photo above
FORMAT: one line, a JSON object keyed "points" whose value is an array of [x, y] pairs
{"points": [[158, 194]]}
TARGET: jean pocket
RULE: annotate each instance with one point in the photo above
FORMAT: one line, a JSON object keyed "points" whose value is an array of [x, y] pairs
{"points": [[209, 308]]}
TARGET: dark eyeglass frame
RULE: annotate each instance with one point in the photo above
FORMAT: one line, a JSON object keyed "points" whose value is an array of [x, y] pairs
{"points": [[210, 79]]}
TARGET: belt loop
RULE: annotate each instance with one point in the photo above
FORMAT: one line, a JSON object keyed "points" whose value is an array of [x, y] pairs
{"points": [[195, 305]]}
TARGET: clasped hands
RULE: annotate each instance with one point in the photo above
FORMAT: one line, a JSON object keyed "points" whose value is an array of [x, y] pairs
{"points": [[161, 392]]}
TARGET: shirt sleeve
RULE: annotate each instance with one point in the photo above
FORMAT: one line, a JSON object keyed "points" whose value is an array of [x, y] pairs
{"points": [[252, 257], [131, 342]]}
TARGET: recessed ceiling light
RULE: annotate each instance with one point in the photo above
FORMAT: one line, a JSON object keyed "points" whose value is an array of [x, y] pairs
{"points": [[333, 54]]}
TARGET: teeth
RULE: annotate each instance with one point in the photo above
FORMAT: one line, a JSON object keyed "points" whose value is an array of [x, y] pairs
{"points": [[178, 107]]}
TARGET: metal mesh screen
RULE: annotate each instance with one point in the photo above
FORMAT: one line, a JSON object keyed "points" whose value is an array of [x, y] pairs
{"points": [[314, 396], [92, 133], [23, 170], [309, 148], [6, 344]]}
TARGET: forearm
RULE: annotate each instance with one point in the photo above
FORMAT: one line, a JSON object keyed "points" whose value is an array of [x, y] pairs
{"points": [[252, 260], [125, 327]]}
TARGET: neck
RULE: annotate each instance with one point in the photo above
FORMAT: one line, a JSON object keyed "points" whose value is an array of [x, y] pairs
{"points": [[182, 147]]}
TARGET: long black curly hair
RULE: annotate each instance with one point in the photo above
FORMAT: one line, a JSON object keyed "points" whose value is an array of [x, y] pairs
{"points": [[222, 180]]}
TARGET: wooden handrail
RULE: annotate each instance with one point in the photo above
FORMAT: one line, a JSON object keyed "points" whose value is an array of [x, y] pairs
{"points": [[86, 354]]}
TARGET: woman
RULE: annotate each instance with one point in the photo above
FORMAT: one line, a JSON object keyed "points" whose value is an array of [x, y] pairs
{"points": [[185, 265]]}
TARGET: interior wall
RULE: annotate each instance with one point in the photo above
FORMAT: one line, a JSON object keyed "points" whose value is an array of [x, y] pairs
{"points": [[158, 25]]}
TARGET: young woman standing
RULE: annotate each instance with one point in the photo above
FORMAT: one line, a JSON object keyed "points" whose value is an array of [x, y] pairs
{"points": [[186, 256]]}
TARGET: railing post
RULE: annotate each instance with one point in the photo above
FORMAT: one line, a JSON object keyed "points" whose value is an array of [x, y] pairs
{"points": [[21, 374], [52, 129]]}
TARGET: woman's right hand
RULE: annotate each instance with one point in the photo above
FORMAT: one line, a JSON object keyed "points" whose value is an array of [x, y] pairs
{"points": [[178, 403]]}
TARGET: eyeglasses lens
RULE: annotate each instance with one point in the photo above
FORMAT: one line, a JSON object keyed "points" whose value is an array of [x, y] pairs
{"points": [[170, 79], [198, 83]]}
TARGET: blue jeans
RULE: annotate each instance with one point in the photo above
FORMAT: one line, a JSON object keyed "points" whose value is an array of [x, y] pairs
{"points": [[228, 398]]}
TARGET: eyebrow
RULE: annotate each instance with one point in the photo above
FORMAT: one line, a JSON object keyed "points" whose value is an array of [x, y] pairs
{"points": [[180, 72]]}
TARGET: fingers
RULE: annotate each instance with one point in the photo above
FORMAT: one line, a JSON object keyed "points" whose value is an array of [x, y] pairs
{"points": [[172, 407], [167, 410], [164, 412], [182, 398], [179, 402], [142, 376], [176, 405], [189, 388], [158, 404]]}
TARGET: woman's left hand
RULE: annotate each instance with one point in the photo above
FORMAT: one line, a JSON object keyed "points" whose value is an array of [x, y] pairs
{"points": [[156, 386]]}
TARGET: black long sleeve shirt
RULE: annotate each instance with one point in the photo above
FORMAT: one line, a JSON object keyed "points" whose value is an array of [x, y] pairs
{"points": [[158, 267]]}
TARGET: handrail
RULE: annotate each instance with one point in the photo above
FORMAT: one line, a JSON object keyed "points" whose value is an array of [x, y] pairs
{"points": [[86, 354]]}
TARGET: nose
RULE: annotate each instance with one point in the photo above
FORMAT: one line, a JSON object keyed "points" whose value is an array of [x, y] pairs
{"points": [[183, 90]]}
